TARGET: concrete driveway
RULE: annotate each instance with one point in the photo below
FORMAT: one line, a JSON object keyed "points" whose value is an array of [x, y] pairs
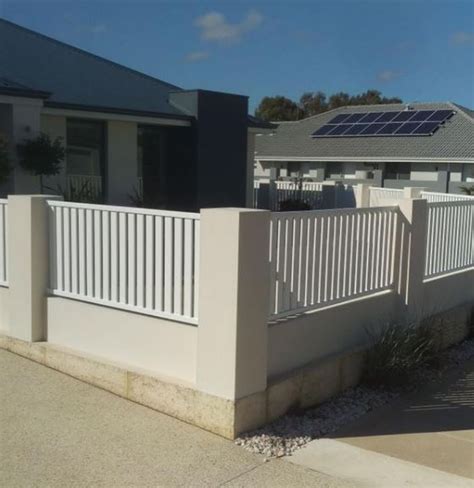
{"points": [[56, 431], [422, 440]]}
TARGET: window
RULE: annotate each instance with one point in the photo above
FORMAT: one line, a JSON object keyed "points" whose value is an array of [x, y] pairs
{"points": [[85, 148], [397, 171]]}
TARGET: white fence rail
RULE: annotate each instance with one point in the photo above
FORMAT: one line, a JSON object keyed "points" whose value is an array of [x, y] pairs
{"points": [[450, 237], [323, 257], [445, 197], [380, 197], [3, 242], [310, 192], [141, 260]]}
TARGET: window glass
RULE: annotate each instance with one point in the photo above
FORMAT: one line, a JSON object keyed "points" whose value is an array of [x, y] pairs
{"points": [[85, 147]]}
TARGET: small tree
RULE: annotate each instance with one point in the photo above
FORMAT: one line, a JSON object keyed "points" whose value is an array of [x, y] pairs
{"points": [[41, 156], [4, 159]]}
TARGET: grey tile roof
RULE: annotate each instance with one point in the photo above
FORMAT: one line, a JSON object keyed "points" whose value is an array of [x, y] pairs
{"points": [[77, 77], [455, 139]]}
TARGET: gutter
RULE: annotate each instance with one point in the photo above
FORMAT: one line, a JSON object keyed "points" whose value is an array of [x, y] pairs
{"points": [[365, 159]]}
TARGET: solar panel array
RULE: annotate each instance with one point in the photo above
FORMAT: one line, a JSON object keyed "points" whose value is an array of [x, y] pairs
{"points": [[400, 123]]}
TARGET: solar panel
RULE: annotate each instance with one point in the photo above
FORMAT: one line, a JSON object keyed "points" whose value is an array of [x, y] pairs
{"points": [[356, 129], [371, 117], [339, 118], [372, 129], [404, 116], [323, 130], [387, 116], [441, 116], [392, 123], [390, 128], [407, 128], [426, 128], [340, 129], [354, 118], [422, 115]]}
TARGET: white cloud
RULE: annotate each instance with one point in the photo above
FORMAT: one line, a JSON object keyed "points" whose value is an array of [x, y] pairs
{"points": [[388, 75], [197, 56], [215, 27], [462, 38]]}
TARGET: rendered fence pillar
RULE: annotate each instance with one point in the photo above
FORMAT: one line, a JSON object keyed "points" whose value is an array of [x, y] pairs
{"points": [[413, 192], [378, 178], [413, 254], [443, 181], [363, 195], [28, 265], [233, 302]]}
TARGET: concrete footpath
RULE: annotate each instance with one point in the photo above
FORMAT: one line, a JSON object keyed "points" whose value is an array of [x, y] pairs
{"points": [[422, 440], [56, 431]]}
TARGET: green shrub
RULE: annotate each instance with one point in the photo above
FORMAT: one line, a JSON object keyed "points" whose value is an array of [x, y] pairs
{"points": [[41, 156], [396, 353]]}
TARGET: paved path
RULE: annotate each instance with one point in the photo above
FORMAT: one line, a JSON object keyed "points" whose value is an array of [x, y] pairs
{"points": [[422, 440], [56, 431]]}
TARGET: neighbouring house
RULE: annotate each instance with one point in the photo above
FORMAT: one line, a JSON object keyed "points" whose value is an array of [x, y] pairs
{"points": [[420, 144], [125, 133]]}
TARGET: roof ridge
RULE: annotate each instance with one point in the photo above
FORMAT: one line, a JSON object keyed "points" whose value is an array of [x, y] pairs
{"points": [[87, 53], [343, 107], [462, 110]]}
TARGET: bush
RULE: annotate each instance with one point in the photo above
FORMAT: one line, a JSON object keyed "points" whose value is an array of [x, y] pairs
{"points": [[292, 205], [468, 190], [79, 194], [396, 353], [41, 156]]}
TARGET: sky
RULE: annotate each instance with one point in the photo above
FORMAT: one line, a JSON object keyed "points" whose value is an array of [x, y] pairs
{"points": [[418, 50]]}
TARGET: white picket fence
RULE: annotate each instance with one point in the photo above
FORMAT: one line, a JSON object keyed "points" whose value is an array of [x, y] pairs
{"points": [[432, 196], [380, 197], [3, 242], [450, 237], [141, 260], [319, 258], [310, 192]]}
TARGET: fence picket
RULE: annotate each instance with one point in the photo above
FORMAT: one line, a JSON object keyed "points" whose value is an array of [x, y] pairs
{"points": [[133, 259]]}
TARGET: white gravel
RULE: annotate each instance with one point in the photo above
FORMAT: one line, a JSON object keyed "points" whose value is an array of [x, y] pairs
{"points": [[291, 432]]}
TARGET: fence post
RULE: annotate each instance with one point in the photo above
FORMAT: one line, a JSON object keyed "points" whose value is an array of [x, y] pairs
{"points": [[28, 265], [412, 255], [413, 191], [363, 195], [378, 178], [233, 302]]}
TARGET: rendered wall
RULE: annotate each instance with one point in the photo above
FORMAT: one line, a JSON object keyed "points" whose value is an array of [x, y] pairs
{"points": [[4, 309], [447, 292], [321, 334], [161, 346]]}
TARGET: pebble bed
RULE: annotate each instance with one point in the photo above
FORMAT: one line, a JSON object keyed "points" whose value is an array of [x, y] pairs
{"points": [[291, 432]]}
